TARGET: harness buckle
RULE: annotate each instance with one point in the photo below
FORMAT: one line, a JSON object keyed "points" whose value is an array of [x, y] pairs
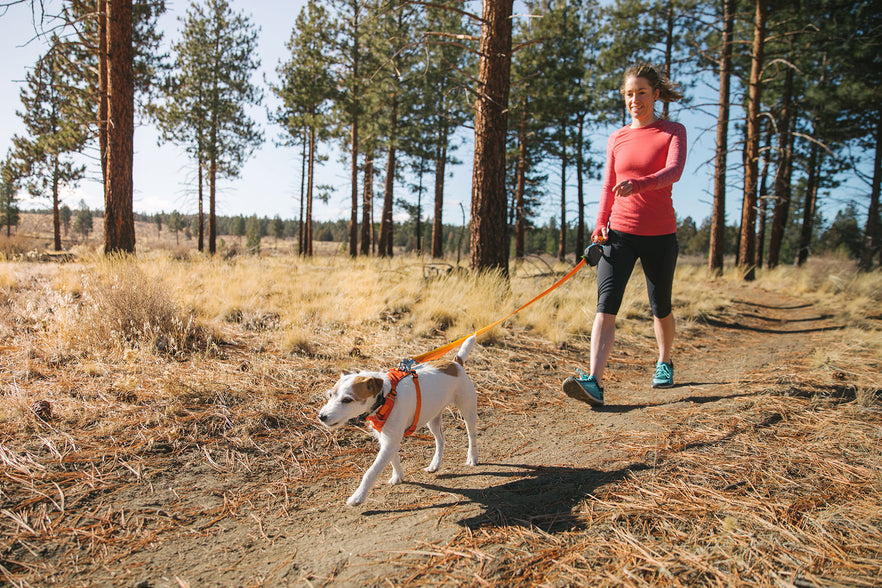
{"points": [[407, 365]]}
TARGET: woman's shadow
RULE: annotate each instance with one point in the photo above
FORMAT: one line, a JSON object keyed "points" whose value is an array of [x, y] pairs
{"points": [[542, 497]]}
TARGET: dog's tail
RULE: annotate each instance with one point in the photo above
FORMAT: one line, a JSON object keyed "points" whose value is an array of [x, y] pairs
{"points": [[463, 354]]}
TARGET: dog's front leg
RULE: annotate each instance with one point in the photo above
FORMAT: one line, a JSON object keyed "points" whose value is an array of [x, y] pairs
{"points": [[397, 472], [388, 450], [438, 433]]}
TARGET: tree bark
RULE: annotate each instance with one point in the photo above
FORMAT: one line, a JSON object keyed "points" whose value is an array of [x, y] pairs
{"points": [[367, 204], [353, 218], [783, 173], [300, 248], [488, 231], [718, 222], [310, 183], [811, 200], [386, 223], [440, 171], [103, 72], [200, 216], [56, 213], [212, 218], [871, 233], [763, 200], [747, 247], [562, 242], [119, 222]]}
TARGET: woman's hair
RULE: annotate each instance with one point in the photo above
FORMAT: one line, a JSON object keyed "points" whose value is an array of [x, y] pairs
{"points": [[668, 91]]}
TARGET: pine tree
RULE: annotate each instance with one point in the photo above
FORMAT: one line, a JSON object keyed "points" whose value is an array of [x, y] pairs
{"points": [[42, 159], [208, 93], [488, 243], [306, 89], [747, 249]]}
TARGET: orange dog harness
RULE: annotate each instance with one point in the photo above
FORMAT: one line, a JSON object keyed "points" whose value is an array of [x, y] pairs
{"points": [[378, 419]]}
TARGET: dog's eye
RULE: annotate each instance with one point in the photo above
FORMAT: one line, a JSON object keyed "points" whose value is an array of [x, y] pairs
{"points": [[346, 400]]}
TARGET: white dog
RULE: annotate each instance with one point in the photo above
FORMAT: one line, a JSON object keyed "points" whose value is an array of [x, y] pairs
{"points": [[440, 384]]}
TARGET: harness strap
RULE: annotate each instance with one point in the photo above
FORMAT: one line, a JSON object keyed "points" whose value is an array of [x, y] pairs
{"points": [[378, 419]]}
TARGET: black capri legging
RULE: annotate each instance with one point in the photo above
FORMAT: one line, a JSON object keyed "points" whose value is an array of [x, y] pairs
{"points": [[657, 255]]}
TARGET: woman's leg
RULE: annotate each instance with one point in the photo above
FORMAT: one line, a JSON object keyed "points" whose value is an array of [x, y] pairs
{"points": [[603, 334], [664, 336]]}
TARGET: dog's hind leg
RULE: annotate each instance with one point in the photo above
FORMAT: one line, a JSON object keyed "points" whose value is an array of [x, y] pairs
{"points": [[468, 407], [388, 449], [435, 428]]}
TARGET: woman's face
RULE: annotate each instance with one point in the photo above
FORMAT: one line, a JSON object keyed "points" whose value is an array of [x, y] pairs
{"points": [[640, 100]]}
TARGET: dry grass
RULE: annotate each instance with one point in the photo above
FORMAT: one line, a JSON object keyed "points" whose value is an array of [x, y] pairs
{"points": [[780, 487], [116, 373]]}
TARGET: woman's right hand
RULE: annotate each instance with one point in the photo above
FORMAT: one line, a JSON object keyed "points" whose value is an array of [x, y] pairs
{"points": [[600, 235]]}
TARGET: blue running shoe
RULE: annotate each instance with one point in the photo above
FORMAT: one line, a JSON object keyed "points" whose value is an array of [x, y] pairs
{"points": [[664, 375], [584, 388]]}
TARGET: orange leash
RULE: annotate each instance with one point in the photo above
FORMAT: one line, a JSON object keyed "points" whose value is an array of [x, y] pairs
{"points": [[440, 351]]}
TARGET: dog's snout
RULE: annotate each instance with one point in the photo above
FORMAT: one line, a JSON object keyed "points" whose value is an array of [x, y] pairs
{"points": [[323, 417]]}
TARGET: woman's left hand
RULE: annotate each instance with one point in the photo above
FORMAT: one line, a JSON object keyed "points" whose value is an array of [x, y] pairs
{"points": [[624, 188]]}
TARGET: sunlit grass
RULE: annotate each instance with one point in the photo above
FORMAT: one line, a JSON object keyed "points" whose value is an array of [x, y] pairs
{"points": [[298, 301]]}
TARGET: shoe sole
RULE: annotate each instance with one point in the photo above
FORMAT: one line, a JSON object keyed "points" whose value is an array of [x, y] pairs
{"points": [[671, 385], [572, 389]]}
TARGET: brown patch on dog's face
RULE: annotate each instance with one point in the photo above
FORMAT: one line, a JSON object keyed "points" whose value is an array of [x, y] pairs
{"points": [[364, 387]]}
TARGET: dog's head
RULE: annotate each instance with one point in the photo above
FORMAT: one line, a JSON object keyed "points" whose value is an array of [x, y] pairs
{"points": [[354, 394]]}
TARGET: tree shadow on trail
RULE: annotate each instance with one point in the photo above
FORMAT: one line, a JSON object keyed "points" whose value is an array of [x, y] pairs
{"points": [[542, 496]]}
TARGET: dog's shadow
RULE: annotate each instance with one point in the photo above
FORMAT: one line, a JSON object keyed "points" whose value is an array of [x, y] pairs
{"points": [[541, 496]]}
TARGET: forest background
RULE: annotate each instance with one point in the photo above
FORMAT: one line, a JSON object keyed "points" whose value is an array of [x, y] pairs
{"points": [[816, 163]]}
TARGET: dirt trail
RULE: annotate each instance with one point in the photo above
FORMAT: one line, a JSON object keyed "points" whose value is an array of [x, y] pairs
{"points": [[541, 454], [237, 514]]}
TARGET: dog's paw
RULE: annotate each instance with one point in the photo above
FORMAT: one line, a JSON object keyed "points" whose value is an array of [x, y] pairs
{"points": [[431, 468], [355, 500], [472, 460], [395, 480]]}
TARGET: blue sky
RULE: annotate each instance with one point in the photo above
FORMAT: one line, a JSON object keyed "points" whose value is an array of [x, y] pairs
{"points": [[269, 184]]}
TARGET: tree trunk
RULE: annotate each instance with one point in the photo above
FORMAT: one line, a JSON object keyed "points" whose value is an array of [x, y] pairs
{"points": [[763, 199], [562, 243], [718, 222], [200, 217], [747, 247], [871, 233], [580, 189], [488, 231], [212, 218], [103, 72], [119, 221], [440, 171], [300, 248], [386, 224], [669, 49], [520, 221], [811, 200], [367, 204], [783, 173], [353, 218], [310, 183], [56, 214]]}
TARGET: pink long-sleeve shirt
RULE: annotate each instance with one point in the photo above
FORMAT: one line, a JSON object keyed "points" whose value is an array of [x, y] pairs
{"points": [[652, 157]]}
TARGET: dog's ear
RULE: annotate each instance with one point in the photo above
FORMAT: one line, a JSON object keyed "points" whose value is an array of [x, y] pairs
{"points": [[348, 372], [375, 385]]}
